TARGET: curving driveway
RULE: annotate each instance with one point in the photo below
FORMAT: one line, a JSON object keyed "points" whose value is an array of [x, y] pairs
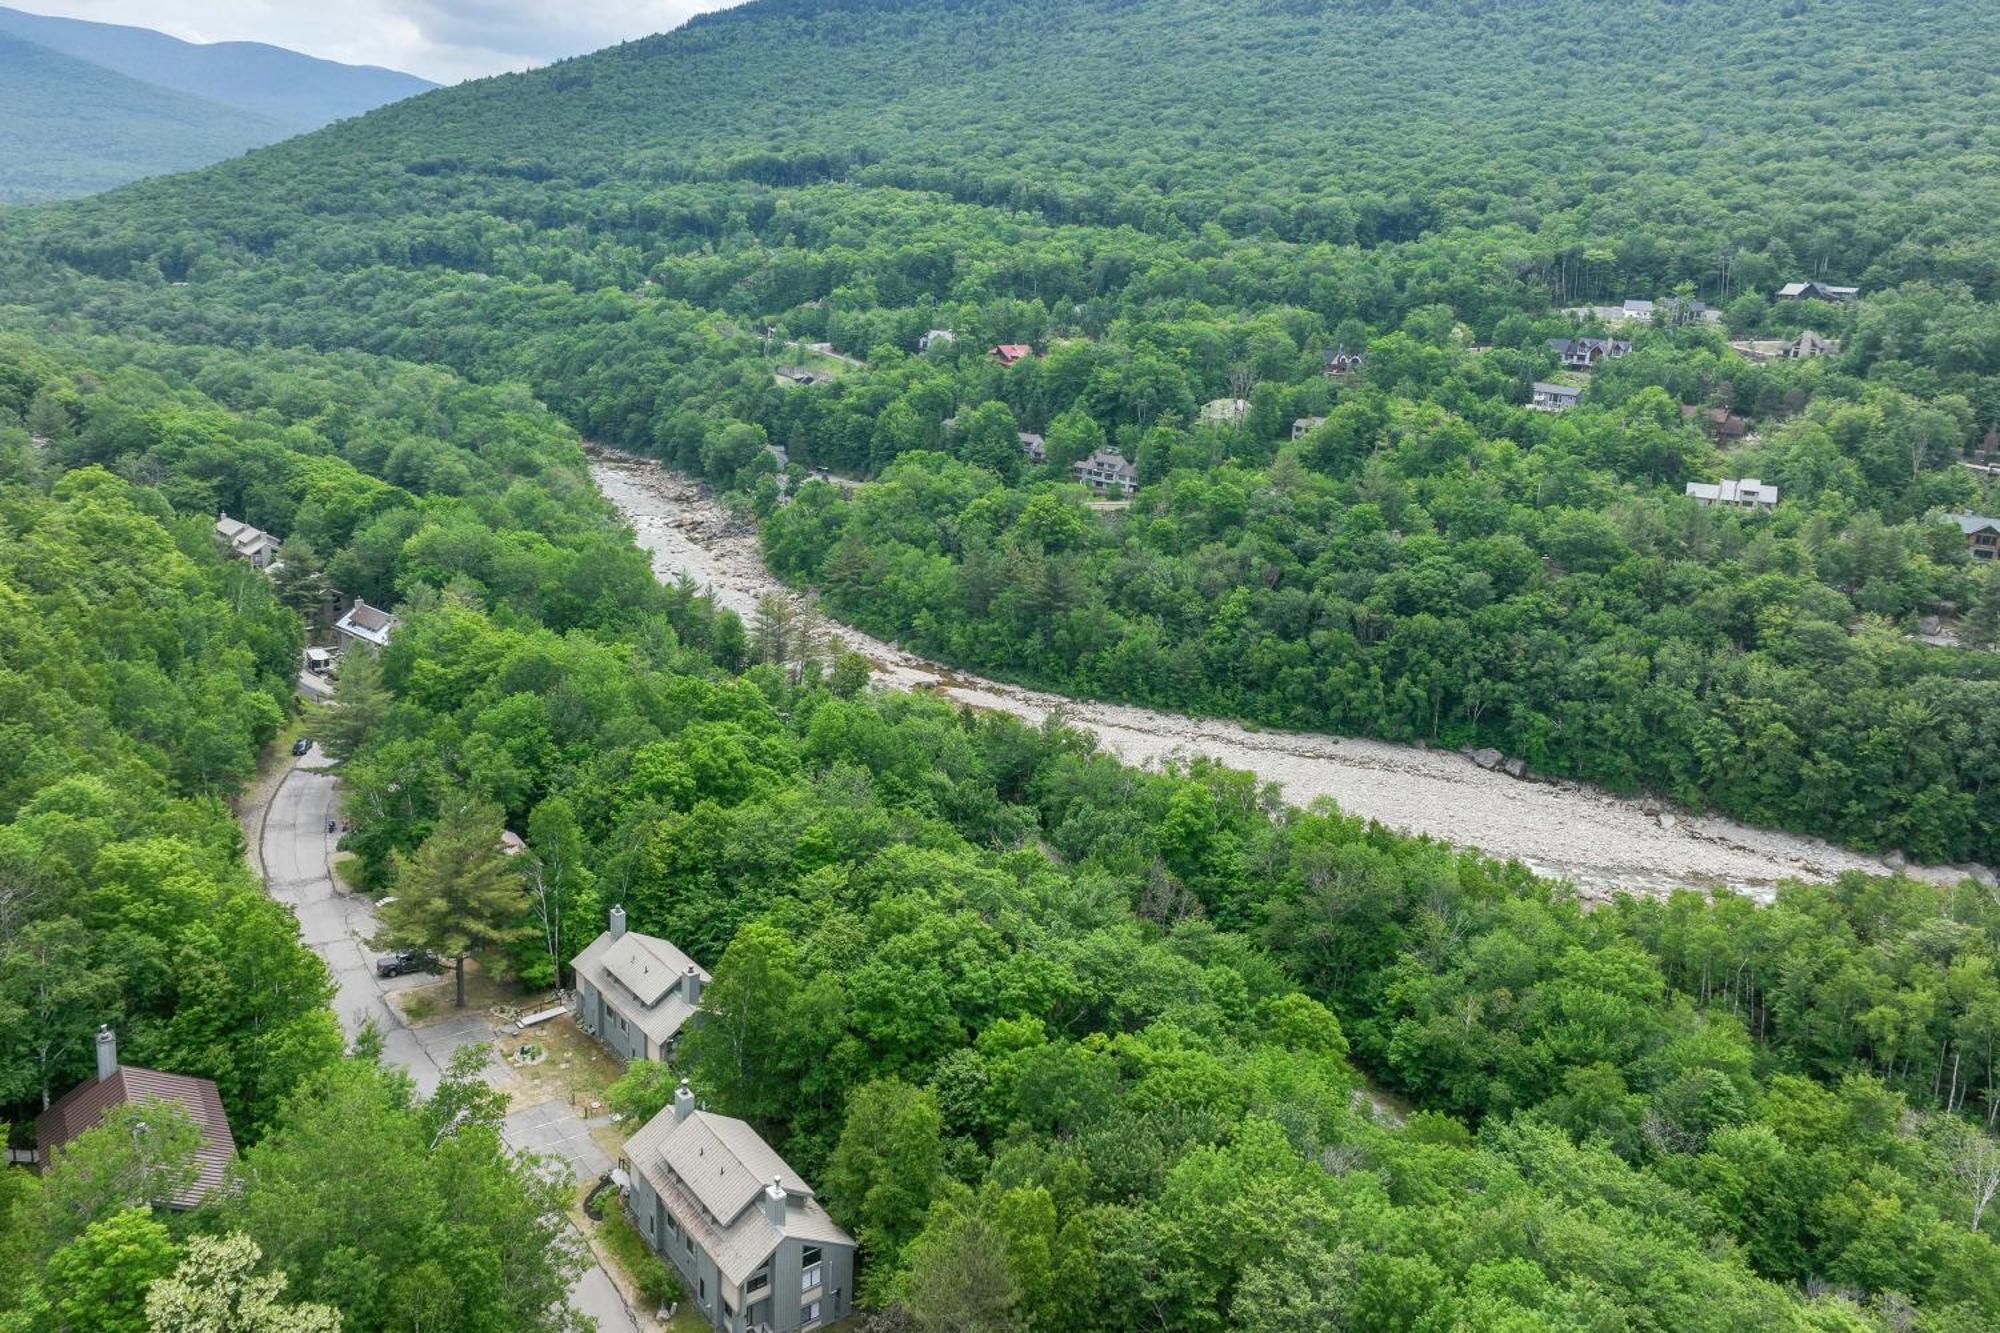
{"points": [[296, 854]]}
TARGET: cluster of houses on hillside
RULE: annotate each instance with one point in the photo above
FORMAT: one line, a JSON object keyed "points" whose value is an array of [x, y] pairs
{"points": [[359, 626], [755, 1248]]}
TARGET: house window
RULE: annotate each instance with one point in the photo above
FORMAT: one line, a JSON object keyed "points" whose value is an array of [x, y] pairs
{"points": [[811, 1276], [757, 1283], [809, 1315], [701, 1289]]}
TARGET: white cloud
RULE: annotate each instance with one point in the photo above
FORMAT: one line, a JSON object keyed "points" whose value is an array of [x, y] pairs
{"points": [[445, 40]]}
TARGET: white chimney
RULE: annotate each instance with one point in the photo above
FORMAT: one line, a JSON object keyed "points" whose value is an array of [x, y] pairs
{"points": [[683, 1102], [693, 984], [107, 1053], [617, 923], [774, 1203]]}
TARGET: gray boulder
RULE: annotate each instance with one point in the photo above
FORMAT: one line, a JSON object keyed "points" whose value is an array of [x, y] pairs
{"points": [[1487, 758]]}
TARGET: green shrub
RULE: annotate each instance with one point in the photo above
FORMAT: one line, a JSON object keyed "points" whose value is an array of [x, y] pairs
{"points": [[658, 1283]]}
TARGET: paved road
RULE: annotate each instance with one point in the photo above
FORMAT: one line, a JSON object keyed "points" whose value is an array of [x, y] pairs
{"points": [[297, 854]]}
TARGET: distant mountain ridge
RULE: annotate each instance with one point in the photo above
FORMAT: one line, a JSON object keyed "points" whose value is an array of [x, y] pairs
{"points": [[86, 107], [299, 92]]}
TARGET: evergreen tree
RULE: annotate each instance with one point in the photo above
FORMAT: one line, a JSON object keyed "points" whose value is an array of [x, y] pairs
{"points": [[360, 702], [459, 896]]}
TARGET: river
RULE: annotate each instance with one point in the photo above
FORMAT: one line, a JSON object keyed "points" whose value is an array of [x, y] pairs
{"points": [[1601, 842]]}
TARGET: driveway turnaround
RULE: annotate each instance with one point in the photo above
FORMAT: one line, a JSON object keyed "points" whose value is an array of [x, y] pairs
{"points": [[297, 853]]}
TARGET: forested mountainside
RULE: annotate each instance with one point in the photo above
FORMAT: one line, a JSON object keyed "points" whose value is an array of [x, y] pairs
{"points": [[86, 107], [1065, 1045], [1223, 194], [71, 127]]}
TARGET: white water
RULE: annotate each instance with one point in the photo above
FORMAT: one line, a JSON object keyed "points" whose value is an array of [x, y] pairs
{"points": [[1602, 842]]}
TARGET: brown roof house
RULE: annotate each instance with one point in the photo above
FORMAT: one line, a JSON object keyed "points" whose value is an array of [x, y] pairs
{"points": [[636, 992], [755, 1248], [1724, 426], [84, 1107]]}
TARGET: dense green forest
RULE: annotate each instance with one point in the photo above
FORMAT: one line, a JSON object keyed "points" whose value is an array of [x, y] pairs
{"points": [[1109, 1015], [633, 234], [1068, 1046], [73, 128]]}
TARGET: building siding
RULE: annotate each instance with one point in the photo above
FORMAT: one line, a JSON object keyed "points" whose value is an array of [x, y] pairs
{"points": [[780, 1306]]}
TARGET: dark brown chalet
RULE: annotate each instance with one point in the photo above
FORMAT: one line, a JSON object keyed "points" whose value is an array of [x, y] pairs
{"points": [[84, 1107]]}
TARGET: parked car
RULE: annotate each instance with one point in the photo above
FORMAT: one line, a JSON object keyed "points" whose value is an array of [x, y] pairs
{"points": [[404, 963], [303, 745]]}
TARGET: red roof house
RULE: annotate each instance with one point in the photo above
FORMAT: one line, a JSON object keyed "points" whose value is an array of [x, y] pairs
{"points": [[84, 1107], [1009, 353]]}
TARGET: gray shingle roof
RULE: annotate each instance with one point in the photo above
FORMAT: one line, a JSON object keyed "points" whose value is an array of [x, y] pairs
{"points": [[639, 975], [712, 1171]]}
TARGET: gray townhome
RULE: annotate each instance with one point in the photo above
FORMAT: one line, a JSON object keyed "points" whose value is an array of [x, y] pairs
{"points": [[757, 1251], [636, 992]]}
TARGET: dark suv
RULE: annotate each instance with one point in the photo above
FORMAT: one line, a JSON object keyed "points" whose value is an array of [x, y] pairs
{"points": [[404, 963], [303, 745]]}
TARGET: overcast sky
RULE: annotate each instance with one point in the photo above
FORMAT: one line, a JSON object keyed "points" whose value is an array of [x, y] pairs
{"points": [[445, 40]]}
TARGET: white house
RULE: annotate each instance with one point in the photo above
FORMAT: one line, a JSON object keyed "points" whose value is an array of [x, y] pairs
{"points": [[1555, 397], [366, 625], [1106, 470], [1225, 412], [1748, 493]]}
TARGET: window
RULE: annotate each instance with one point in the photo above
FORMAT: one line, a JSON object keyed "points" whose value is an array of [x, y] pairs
{"points": [[809, 1314], [757, 1282], [810, 1278], [701, 1287]]}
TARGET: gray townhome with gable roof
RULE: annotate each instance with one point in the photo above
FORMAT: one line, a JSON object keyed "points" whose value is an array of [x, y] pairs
{"points": [[636, 992], [758, 1252]]}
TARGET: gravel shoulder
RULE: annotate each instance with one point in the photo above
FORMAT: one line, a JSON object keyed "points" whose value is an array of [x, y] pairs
{"points": [[1601, 842]]}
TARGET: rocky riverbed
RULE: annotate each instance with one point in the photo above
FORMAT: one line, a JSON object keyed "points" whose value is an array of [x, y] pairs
{"points": [[1601, 842]]}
